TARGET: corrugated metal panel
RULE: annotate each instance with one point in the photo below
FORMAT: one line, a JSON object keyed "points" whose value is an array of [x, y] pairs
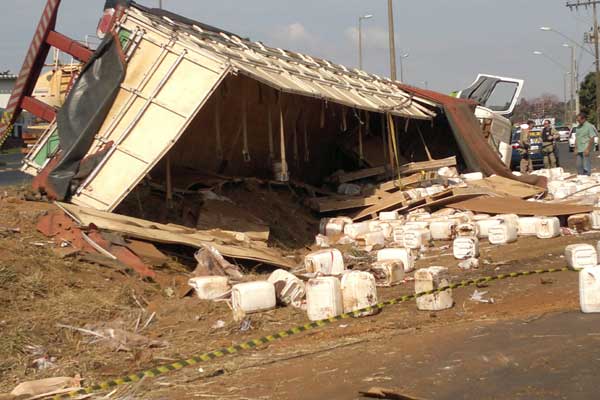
{"points": [[293, 72]]}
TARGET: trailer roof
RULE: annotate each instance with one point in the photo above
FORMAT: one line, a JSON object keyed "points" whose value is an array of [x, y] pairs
{"points": [[290, 71]]}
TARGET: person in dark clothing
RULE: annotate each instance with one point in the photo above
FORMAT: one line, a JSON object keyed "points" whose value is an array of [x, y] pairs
{"points": [[549, 138]]}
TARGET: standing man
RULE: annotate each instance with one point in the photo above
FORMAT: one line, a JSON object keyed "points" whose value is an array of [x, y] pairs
{"points": [[584, 143], [525, 166], [549, 138]]}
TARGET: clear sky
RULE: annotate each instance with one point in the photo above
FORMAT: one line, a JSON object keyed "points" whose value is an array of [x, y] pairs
{"points": [[448, 41]]}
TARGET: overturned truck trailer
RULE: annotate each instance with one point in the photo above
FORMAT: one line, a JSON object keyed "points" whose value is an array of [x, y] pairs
{"points": [[164, 96]]}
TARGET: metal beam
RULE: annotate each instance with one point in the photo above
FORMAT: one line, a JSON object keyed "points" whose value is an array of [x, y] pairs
{"points": [[69, 46], [38, 108]]}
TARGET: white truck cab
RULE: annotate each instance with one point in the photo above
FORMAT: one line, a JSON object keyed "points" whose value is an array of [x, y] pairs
{"points": [[497, 97]]}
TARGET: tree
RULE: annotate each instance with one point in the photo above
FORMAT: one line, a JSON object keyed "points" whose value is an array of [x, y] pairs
{"points": [[544, 106], [587, 96]]}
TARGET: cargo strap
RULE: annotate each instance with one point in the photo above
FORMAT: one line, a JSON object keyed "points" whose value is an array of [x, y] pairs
{"points": [[251, 344]]}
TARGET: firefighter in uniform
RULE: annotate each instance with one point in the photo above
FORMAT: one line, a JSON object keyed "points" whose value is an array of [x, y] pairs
{"points": [[525, 166], [549, 137]]}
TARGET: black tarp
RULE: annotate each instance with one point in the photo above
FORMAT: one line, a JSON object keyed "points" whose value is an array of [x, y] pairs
{"points": [[83, 113]]}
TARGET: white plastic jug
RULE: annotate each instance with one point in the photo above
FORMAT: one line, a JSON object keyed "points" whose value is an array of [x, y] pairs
{"points": [[548, 228], [289, 289], [326, 262], [388, 215], [398, 235], [466, 247], [595, 216], [480, 217], [416, 238], [512, 219], [355, 229], [581, 256], [443, 230], [484, 226], [398, 254], [333, 226], [253, 297], [371, 239], [468, 229], [381, 226], [416, 225], [433, 278], [359, 291], [528, 226], [503, 233], [589, 289], [388, 273], [210, 287], [473, 176], [324, 298]]}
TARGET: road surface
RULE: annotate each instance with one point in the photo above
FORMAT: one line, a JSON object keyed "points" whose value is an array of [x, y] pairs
{"points": [[10, 174]]}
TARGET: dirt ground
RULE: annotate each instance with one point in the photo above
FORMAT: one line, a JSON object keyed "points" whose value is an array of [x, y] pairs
{"points": [[40, 291]]}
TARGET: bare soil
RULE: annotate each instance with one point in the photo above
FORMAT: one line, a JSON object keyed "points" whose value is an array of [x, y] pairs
{"points": [[39, 290]]}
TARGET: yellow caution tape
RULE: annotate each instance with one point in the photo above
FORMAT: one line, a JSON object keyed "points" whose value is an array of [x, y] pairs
{"points": [[251, 344]]}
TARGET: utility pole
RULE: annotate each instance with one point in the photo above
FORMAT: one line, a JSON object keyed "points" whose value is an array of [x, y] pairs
{"points": [[160, 4], [575, 4], [393, 75]]}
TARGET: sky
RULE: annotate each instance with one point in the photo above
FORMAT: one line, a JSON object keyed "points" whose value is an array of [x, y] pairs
{"points": [[448, 42]]}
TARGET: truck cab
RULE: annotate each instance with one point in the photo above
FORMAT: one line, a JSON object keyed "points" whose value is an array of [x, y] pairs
{"points": [[497, 98]]}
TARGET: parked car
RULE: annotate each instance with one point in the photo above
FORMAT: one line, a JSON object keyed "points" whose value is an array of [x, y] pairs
{"points": [[535, 149], [573, 136], [564, 132]]}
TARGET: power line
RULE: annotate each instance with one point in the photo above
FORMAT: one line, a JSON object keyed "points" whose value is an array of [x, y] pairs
{"points": [[575, 5]]}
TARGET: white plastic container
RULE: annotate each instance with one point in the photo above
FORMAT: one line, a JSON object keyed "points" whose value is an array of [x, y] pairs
{"points": [[381, 226], [548, 228], [512, 219], [444, 212], [580, 222], [251, 297], [324, 298], [589, 289], [398, 235], [433, 278], [443, 230], [503, 233], [333, 226], [388, 215], [416, 238], [528, 226], [359, 291], [403, 255], [466, 247], [480, 217], [388, 273], [355, 229], [580, 256], [416, 225], [484, 226], [469, 229], [210, 287], [595, 215], [371, 239], [289, 289], [326, 262]]}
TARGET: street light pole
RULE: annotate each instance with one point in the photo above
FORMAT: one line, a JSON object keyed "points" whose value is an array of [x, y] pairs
{"points": [[567, 106], [574, 109], [392, 41], [402, 57], [160, 4], [360, 55]]}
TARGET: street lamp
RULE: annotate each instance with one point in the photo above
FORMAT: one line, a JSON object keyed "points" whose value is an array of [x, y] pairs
{"points": [[549, 29], [360, 57], [402, 57], [574, 82], [565, 72]]}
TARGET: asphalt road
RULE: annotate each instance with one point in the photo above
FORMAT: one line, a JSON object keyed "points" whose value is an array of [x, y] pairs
{"points": [[10, 175]]}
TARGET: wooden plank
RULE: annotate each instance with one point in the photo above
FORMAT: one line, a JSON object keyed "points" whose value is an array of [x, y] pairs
{"points": [[395, 200], [175, 234], [508, 187], [326, 204], [409, 180], [357, 175], [427, 165]]}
